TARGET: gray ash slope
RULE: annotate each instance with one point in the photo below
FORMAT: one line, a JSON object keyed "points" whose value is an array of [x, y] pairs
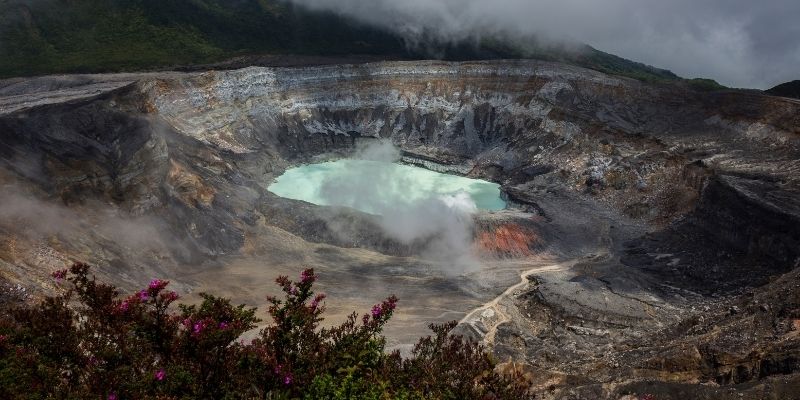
{"points": [[649, 211]]}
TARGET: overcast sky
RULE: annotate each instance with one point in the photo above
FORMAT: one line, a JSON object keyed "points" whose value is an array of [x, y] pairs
{"points": [[741, 43]]}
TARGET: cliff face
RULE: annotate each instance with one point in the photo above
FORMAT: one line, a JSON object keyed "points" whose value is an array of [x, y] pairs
{"points": [[645, 149], [755, 217], [651, 187], [168, 144], [462, 109], [504, 114]]}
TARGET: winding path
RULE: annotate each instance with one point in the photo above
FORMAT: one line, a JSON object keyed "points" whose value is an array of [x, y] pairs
{"points": [[500, 316]]}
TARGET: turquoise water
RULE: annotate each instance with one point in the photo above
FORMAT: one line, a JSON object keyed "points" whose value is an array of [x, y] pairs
{"points": [[378, 187]]}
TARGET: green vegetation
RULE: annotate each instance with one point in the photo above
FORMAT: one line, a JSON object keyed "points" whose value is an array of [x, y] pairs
{"points": [[47, 36], [90, 343], [61, 36], [705, 85], [588, 57], [614, 65], [788, 89]]}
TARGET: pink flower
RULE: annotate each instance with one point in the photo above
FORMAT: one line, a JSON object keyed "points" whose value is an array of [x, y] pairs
{"points": [[143, 295], [160, 375], [169, 296], [158, 284], [59, 275], [307, 276], [317, 299], [112, 396], [376, 311], [293, 291], [223, 325], [390, 303], [198, 327], [287, 380], [123, 307]]}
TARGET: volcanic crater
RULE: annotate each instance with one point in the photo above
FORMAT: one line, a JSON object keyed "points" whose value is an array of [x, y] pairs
{"points": [[650, 239]]}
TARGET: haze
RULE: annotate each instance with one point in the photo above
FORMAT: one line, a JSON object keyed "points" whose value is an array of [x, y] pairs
{"points": [[739, 43]]}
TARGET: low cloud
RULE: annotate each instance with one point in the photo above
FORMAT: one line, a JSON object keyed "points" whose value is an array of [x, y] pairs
{"points": [[35, 218], [738, 42]]}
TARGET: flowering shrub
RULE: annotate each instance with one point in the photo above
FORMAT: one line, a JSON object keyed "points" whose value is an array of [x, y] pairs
{"points": [[89, 342]]}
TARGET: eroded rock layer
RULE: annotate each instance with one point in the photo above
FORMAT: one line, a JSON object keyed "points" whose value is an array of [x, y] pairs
{"points": [[656, 228]]}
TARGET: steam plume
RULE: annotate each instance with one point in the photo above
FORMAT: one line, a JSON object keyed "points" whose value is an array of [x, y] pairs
{"points": [[444, 223]]}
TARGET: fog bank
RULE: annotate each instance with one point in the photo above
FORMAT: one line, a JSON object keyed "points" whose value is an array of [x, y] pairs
{"points": [[740, 43]]}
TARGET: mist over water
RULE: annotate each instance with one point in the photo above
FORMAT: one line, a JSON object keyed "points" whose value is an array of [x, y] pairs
{"points": [[412, 203], [378, 187]]}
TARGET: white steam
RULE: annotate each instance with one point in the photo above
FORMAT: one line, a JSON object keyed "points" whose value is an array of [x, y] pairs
{"points": [[26, 215], [442, 222]]}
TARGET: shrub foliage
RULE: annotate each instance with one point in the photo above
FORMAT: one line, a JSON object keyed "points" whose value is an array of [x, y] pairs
{"points": [[89, 342]]}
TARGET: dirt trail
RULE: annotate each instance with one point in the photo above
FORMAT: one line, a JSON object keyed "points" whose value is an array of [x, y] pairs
{"points": [[497, 314]]}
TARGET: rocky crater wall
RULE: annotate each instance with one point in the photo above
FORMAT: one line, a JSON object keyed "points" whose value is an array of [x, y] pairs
{"points": [[754, 217], [674, 209], [199, 149]]}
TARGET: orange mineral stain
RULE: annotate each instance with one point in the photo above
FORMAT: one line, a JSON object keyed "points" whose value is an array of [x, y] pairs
{"points": [[507, 240]]}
